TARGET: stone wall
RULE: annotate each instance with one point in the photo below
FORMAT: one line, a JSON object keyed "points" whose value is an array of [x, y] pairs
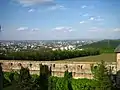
{"points": [[118, 61], [78, 69]]}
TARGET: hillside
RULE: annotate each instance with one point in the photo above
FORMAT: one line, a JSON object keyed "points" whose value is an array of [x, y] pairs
{"points": [[104, 45], [107, 57]]}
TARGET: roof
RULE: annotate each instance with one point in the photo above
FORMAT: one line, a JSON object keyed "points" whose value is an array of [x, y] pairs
{"points": [[117, 49]]}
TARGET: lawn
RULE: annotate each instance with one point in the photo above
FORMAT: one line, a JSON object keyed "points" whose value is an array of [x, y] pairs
{"points": [[108, 57]]}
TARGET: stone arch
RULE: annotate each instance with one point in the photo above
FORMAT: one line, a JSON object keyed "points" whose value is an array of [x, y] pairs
{"points": [[30, 65], [19, 64], [78, 67], [95, 67], [81, 67], [113, 67], [53, 65], [66, 66], [10, 64]]}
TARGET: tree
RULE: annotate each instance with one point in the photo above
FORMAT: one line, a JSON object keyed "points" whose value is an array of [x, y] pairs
{"points": [[44, 76], [67, 80], [24, 82], [1, 78], [101, 75]]}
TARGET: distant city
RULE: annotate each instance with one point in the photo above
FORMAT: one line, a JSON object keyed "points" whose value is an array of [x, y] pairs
{"points": [[15, 45]]}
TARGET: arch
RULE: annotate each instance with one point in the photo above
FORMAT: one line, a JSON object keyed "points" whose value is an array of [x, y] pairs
{"points": [[95, 67], [81, 67], [10, 64], [53, 65], [19, 64], [78, 66], [113, 67], [66, 66], [30, 65]]}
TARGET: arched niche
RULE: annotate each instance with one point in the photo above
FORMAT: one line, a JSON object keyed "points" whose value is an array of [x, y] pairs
{"points": [[53, 65], [19, 64], [10, 64], [30, 65], [65, 66], [95, 67]]}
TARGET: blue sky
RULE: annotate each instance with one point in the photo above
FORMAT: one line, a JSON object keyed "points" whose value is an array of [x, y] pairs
{"points": [[59, 19]]}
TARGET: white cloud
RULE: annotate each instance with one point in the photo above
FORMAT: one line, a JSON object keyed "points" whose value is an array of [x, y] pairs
{"points": [[32, 2], [96, 18], [116, 30], [91, 18], [35, 29], [27, 29], [31, 10], [63, 29], [81, 22], [22, 28], [84, 6], [57, 7]]}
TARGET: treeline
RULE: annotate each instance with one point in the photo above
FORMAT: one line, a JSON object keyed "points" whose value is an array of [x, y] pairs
{"points": [[24, 81], [48, 55]]}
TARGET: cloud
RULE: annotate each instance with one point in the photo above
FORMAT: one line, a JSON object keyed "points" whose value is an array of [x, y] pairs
{"points": [[27, 29], [116, 30], [22, 28], [96, 18], [63, 29], [33, 2], [83, 6], [57, 7], [91, 18], [35, 29], [31, 10], [81, 22]]}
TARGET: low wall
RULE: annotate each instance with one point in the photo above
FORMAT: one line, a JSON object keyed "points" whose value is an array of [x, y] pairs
{"points": [[78, 69]]}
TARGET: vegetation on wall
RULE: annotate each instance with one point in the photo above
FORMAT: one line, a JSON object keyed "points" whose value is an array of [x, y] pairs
{"points": [[25, 81]]}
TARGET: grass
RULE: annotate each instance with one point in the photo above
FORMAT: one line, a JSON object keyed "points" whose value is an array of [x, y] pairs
{"points": [[108, 57]]}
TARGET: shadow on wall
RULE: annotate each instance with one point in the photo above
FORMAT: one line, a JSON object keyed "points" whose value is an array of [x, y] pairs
{"points": [[116, 80]]}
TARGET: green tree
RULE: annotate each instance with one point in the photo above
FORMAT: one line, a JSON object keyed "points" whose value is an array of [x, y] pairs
{"points": [[24, 82], [67, 80], [101, 75], [44, 76]]}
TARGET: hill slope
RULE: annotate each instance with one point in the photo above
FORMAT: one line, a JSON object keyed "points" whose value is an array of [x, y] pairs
{"points": [[104, 45]]}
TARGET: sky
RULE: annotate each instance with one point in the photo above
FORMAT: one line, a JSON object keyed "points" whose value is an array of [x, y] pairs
{"points": [[59, 19]]}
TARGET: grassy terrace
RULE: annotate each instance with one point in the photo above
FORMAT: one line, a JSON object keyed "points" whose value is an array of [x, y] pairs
{"points": [[108, 57]]}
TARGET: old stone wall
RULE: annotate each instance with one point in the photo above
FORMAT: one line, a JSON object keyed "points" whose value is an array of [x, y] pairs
{"points": [[78, 69], [118, 61]]}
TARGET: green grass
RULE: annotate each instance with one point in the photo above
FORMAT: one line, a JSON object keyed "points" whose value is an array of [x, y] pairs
{"points": [[108, 57]]}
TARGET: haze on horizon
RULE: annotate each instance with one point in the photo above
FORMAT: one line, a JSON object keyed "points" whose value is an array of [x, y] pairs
{"points": [[59, 19]]}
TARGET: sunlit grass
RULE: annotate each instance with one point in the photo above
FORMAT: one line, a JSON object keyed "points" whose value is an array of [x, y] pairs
{"points": [[108, 57]]}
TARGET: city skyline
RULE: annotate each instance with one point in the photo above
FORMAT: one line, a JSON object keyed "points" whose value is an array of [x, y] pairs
{"points": [[59, 19]]}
